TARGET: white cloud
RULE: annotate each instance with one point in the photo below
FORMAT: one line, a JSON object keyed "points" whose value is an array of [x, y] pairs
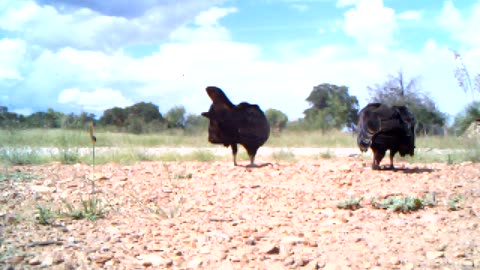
{"points": [[211, 16], [203, 53], [370, 23], [97, 100], [206, 27], [12, 52], [411, 15], [461, 27], [346, 3], [86, 28], [69, 95]]}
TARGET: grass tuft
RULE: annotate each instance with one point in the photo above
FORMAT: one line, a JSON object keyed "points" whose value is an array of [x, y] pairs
{"points": [[327, 154], [202, 155], [351, 203], [453, 202], [21, 156], [17, 176], [163, 212], [403, 204], [45, 215], [283, 155], [92, 209]]}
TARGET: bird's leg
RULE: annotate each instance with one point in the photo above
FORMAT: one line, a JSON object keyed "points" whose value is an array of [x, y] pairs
{"points": [[392, 153], [375, 166], [251, 155], [234, 152], [377, 157], [252, 161]]}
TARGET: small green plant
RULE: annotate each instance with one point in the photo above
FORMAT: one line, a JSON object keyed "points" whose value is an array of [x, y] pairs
{"points": [[202, 155], [403, 204], [182, 176], [92, 209], [45, 215], [69, 156], [163, 212], [143, 156], [351, 203], [283, 155], [453, 203], [449, 159], [473, 155], [16, 176], [327, 154], [20, 156], [5, 252], [173, 178], [170, 212]]}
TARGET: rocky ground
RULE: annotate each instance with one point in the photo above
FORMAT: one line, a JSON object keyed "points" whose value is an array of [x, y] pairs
{"points": [[195, 215]]}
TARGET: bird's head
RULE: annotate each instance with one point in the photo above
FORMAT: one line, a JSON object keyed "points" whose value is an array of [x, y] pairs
{"points": [[363, 143]]}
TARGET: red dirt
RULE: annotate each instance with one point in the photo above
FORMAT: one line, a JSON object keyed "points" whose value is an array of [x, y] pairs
{"points": [[225, 217]]}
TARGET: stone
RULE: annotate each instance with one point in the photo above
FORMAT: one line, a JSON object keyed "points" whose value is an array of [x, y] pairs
{"points": [[154, 259], [195, 263], [291, 240], [35, 261], [269, 248], [432, 255], [331, 266]]}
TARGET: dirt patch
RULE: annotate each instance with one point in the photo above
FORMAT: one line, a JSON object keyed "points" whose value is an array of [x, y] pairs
{"points": [[215, 216]]}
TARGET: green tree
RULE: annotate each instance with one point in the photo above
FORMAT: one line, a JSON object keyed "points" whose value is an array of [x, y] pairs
{"points": [[331, 107], [84, 119], [35, 120], [195, 123], [10, 119], [148, 112], [176, 117], [277, 119], [396, 91], [53, 119], [464, 119], [115, 116]]}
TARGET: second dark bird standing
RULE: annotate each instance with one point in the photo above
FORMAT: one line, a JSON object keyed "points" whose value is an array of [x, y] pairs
{"points": [[230, 124], [382, 128]]}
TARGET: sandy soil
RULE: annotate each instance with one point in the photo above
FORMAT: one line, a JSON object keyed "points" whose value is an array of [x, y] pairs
{"points": [[282, 216]]}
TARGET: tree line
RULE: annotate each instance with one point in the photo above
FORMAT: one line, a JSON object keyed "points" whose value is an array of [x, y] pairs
{"points": [[331, 107]]}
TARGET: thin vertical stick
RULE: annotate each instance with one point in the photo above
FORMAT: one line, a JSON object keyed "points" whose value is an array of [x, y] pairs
{"points": [[94, 140]]}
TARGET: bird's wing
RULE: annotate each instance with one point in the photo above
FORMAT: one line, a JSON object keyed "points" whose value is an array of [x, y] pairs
{"points": [[253, 127], [219, 98]]}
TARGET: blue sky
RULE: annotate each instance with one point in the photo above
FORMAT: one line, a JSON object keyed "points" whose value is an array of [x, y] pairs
{"points": [[91, 55]]}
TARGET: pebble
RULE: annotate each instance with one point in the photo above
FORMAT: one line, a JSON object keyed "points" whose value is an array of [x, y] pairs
{"points": [[432, 255]]}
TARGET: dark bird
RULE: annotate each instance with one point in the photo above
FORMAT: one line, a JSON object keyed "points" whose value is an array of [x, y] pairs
{"points": [[230, 124], [383, 128]]}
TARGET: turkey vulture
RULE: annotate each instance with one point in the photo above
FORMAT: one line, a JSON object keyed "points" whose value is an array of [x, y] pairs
{"points": [[383, 128], [231, 124]]}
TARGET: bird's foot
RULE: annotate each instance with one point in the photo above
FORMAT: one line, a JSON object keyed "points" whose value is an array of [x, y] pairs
{"points": [[254, 165]]}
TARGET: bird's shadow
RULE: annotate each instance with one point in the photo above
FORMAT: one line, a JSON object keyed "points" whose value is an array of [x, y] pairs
{"points": [[408, 170], [256, 166]]}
